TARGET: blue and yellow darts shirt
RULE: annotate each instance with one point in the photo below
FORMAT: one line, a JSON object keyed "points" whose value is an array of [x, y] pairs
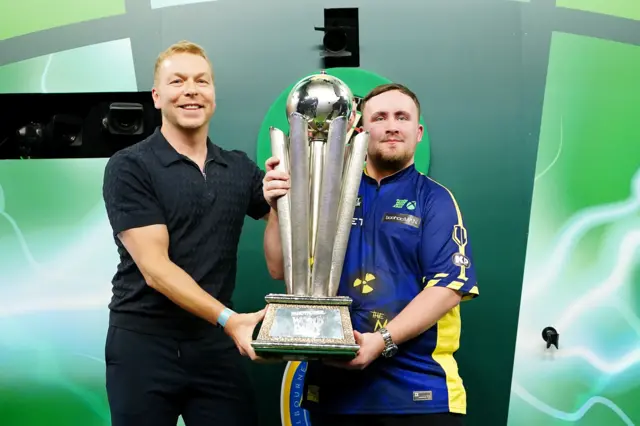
{"points": [[407, 234]]}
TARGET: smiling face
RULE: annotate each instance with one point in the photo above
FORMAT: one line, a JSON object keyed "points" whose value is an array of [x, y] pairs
{"points": [[392, 120], [184, 91]]}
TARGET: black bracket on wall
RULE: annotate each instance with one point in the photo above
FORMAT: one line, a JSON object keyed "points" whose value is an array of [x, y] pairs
{"points": [[341, 41], [551, 336]]}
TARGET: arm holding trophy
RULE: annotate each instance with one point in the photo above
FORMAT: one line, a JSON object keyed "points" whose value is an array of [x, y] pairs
{"points": [[311, 184]]}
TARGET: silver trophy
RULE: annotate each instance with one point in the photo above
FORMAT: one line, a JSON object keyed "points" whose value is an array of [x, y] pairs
{"points": [[325, 166]]}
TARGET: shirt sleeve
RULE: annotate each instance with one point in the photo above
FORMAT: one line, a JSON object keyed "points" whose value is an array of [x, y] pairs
{"points": [[446, 255], [129, 198], [258, 206]]}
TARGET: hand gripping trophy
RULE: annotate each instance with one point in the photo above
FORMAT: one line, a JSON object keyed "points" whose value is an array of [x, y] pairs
{"points": [[325, 167]]}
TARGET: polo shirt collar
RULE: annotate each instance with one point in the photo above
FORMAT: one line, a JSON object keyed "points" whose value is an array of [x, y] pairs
{"points": [[168, 155]]}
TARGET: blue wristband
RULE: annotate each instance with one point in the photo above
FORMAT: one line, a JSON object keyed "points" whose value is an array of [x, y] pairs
{"points": [[224, 316]]}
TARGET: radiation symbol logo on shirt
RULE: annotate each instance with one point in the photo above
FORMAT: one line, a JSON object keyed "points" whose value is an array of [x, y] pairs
{"points": [[364, 284]]}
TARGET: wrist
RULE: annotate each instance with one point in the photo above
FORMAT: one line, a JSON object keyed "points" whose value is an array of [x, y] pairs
{"points": [[390, 348], [381, 343], [224, 317]]}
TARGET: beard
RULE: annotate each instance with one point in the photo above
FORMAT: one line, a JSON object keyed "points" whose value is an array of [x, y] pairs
{"points": [[389, 162]]}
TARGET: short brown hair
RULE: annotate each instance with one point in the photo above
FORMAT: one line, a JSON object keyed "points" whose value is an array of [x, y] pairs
{"points": [[183, 46], [388, 88]]}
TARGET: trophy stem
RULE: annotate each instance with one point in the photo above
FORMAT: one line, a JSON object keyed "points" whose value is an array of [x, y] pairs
{"points": [[347, 156], [317, 152], [329, 199], [299, 211], [349, 196], [280, 149]]}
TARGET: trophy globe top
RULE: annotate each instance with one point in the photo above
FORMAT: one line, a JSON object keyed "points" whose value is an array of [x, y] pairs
{"points": [[321, 98]]}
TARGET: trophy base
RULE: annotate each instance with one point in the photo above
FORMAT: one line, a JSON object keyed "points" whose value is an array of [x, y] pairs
{"points": [[304, 328]]}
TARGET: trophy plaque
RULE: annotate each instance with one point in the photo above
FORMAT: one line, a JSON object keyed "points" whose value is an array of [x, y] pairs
{"points": [[309, 321]]}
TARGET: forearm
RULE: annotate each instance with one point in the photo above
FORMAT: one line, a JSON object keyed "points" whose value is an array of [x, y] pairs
{"points": [[422, 313], [170, 280], [273, 247]]}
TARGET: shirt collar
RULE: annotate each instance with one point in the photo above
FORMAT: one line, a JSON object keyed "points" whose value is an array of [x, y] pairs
{"points": [[406, 172], [168, 155]]}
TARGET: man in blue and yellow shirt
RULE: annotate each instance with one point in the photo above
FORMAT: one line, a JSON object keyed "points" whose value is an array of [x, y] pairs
{"points": [[407, 267]]}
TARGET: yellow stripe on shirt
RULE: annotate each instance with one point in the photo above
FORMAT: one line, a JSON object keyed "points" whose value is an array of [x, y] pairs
{"points": [[459, 233], [448, 341]]}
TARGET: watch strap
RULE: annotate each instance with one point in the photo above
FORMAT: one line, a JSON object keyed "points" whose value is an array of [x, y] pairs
{"points": [[388, 341]]}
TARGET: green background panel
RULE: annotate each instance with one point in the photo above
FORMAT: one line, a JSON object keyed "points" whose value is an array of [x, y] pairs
{"points": [[103, 67], [56, 266], [19, 17], [629, 9], [584, 241]]}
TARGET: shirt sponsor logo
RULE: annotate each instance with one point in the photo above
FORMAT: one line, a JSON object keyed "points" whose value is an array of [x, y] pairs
{"points": [[405, 219], [461, 260], [400, 203]]}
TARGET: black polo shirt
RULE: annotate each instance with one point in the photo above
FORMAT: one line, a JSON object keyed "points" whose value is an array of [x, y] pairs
{"points": [[151, 183]]}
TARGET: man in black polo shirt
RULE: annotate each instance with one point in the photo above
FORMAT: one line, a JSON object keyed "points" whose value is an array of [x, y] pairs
{"points": [[177, 203]]}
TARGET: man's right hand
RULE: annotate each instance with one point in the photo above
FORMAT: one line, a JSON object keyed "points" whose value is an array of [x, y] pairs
{"points": [[275, 183], [240, 328]]}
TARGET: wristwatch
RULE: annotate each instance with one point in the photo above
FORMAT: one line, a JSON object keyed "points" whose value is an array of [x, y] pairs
{"points": [[390, 348]]}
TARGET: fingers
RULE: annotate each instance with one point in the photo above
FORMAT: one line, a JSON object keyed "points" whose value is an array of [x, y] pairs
{"points": [[241, 350], [276, 175], [273, 195], [275, 185], [275, 188], [243, 337], [260, 314], [271, 163], [244, 347], [260, 360], [271, 185], [250, 352]]}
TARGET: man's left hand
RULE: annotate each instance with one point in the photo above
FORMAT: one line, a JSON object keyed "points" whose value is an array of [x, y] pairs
{"points": [[371, 347], [275, 183]]}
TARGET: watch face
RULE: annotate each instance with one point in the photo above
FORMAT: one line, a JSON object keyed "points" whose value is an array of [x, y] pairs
{"points": [[390, 351]]}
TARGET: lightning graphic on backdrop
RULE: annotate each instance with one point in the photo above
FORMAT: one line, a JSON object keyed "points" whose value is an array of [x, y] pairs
{"points": [[604, 294]]}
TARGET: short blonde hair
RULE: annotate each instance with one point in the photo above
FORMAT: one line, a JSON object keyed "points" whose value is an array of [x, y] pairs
{"points": [[379, 90], [183, 46]]}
